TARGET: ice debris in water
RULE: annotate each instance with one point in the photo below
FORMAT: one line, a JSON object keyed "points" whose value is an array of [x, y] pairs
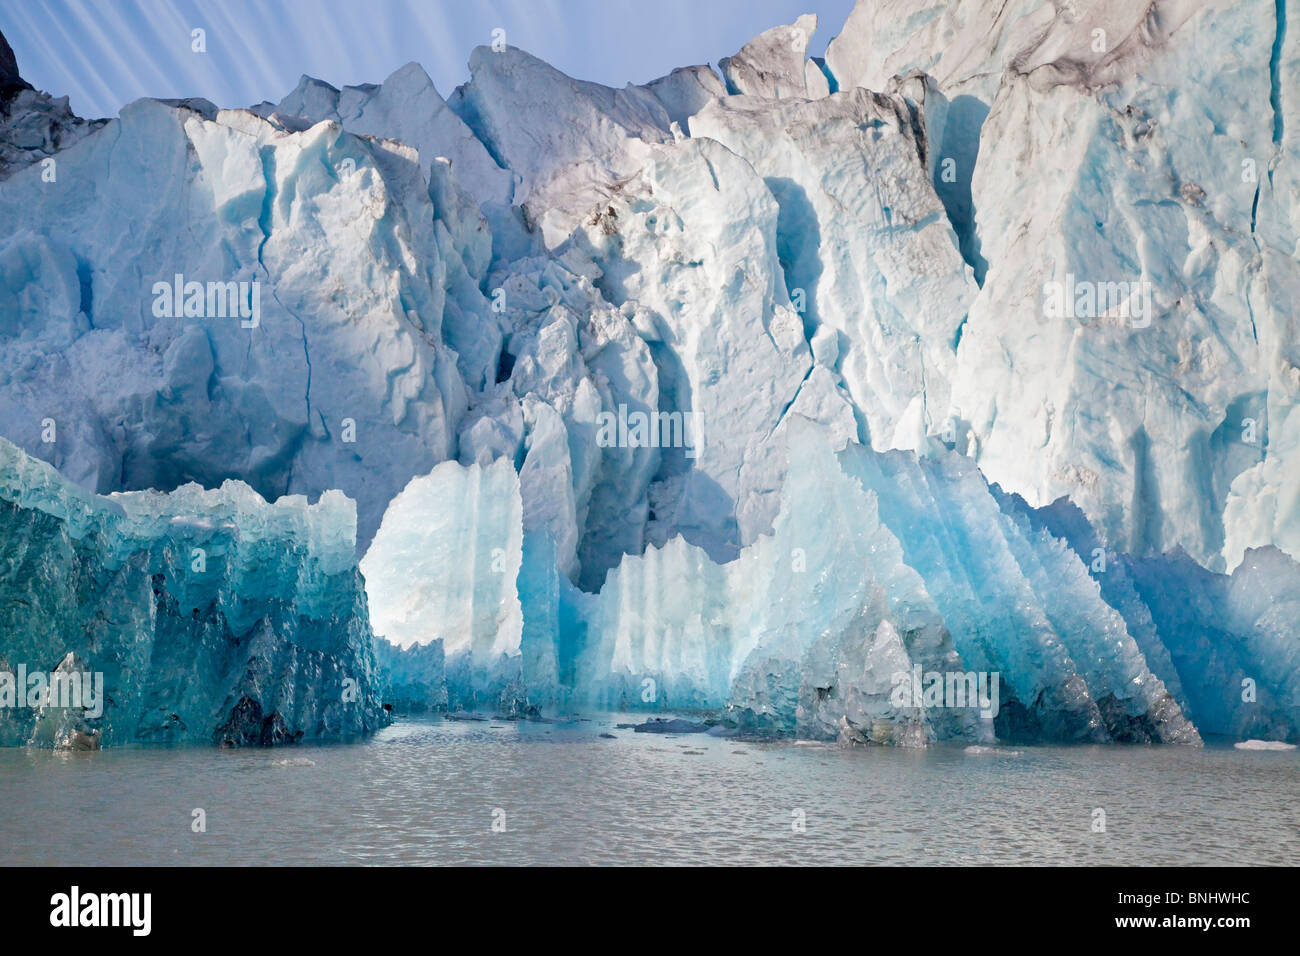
{"points": [[976, 750]]}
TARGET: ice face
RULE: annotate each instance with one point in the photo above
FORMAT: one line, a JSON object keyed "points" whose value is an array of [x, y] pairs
{"points": [[415, 677], [210, 616], [1184, 394], [1231, 639], [900, 285], [878, 565], [408, 108], [1100, 115], [1022, 602], [1224, 645], [829, 614], [856, 213], [791, 636], [575, 361], [443, 567], [563, 139], [143, 394], [701, 262], [481, 317]]}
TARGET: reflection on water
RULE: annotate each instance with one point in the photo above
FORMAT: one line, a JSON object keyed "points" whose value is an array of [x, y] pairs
{"points": [[429, 792]]}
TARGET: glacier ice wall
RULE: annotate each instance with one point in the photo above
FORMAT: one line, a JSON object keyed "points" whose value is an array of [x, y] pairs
{"points": [[1148, 143], [341, 381], [414, 677], [878, 564], [444, 566], [212, 616], [1226, 646], [1232, 638], [857, 212], [458, 293], [555, 242]]}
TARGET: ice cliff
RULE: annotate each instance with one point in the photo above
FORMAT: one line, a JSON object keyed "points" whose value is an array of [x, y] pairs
{"points": [[212, 616], [1016, 276], [877, 564]]}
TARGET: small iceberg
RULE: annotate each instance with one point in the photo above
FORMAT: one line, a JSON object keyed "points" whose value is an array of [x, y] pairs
{"points": [[1264, 745], [658, 725]]}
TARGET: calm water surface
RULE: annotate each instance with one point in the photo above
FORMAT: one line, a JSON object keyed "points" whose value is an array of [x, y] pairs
{"points": [[428, 792]]}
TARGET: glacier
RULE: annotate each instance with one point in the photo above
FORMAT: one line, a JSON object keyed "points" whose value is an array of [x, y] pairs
{"points": [[211, 616], [877, 563], [835, 277]]}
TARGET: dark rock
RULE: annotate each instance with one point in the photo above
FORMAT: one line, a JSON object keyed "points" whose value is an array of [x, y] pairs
{"points": [[10, 81], [247, 727]]}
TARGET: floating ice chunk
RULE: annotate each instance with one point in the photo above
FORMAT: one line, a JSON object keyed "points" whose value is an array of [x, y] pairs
{"points": [[660, 725]]}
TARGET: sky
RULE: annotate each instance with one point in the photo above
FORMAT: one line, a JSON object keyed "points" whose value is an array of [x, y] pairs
{"points": [[106, 53]]}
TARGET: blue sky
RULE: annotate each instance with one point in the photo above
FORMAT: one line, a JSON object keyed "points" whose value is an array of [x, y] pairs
{"points": [[107, 53]]}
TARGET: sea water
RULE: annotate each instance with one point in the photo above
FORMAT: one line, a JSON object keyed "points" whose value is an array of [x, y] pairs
{"points": [[494, 791]]}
